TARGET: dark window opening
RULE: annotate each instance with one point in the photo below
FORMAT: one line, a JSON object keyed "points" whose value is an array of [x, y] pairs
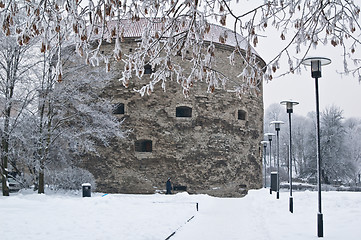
{"points": [[183, 111], [148, 69], [119, 109], [241, 115], [143, 146]]}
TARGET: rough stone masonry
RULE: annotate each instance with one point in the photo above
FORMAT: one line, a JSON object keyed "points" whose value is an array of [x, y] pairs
{"points": [[206, 143]]}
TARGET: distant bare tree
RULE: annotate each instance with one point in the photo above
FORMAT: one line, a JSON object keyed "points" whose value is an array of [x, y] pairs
{"points": [[15, 95], [340, 145], [353, 146], [333, 161]]}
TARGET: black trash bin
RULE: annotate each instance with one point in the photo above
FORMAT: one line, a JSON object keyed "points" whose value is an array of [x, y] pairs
{"points": [[86, 189], [274, 181]]}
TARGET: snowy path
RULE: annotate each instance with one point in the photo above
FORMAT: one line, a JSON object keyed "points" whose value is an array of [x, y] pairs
{"points": [[260, 216], [146, 217]]}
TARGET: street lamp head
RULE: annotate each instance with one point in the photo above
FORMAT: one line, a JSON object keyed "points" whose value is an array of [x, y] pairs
{"points": [[277, 124], [316, 63], [269, 136], [264, 143], [289, 105]]}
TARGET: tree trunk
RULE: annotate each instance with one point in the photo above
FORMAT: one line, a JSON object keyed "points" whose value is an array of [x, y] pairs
{"points": [[41, 181], [4, 161], [4, 185], [5, 150], [4, 165]]}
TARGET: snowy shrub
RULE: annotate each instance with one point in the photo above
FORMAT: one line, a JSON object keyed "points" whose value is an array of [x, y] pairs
{"points": [[70, 178]]}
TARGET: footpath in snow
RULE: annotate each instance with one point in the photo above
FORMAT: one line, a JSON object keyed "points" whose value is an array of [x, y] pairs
{"points": [[259, 216]]}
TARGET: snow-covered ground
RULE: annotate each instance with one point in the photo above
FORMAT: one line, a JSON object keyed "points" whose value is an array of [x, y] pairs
{"points": [[116, 216]]}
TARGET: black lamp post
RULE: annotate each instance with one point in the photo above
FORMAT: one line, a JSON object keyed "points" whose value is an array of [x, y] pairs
{"points": [[289, 107], [316, 63], [269, 137], [264, 143], [278, 128]]}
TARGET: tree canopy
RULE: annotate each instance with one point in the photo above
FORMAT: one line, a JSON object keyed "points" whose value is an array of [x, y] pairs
{"points": [[302, 24]]}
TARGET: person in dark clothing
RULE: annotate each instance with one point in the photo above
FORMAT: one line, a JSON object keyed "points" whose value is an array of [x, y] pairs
{"points": [[169, 187]]}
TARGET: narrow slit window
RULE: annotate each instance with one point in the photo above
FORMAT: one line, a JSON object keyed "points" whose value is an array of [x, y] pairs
{"points": [[119, 109], [148, 69], [183, 111], [241, 115], [144, 145]]}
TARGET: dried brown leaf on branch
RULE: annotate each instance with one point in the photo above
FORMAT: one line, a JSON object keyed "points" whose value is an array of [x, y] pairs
{"points": [[223, 20]]}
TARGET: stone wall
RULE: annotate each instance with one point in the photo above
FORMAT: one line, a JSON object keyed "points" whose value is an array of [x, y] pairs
{"points": [[210, 152]]}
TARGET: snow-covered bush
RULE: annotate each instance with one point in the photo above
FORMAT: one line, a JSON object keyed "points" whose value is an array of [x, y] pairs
{"points": [[70, 178]]}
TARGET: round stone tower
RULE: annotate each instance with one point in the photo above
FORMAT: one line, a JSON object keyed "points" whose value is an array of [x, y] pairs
{"points": [[206, 142]]}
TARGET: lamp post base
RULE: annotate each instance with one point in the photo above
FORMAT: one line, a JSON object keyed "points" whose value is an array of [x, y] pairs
{"points": [[291, 204], [320, 225]]}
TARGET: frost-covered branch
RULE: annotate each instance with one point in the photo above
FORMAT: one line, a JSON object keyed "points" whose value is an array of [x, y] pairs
{"points": [[173, 28]]}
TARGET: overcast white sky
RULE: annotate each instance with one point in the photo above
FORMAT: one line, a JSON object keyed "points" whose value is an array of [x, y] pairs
{"points": [[334, 89]]}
